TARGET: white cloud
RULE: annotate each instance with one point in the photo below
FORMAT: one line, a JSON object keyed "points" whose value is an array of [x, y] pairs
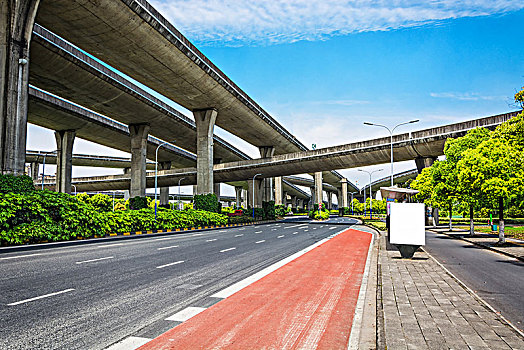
{"points": [[467, 96], [247, 22]]}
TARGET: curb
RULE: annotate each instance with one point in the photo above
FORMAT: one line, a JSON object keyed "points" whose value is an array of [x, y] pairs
{"points": [[122, 236], [481, 245]]}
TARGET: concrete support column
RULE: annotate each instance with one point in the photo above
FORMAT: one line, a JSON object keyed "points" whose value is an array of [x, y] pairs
{"points": [[278, 190], [139, 133], [422, 163], [126, 192], [284, 199], [164, 191], [238, 196], [344, 193], [318, 187], [313, 198], [17, 18], [257, 194], [205, 123], [293, 202], [330, 200], [64, 159], [267, 195], [216, 190], [35, 169], [244, 198]]}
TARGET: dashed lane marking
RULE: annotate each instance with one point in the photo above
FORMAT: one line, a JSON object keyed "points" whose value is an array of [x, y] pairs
{"points": [[19, 256], [295, 233], [258, 232], [40, 297], [280, 236], [295, 226], [94, 260], [239, 235], [171, 264], [262, 241], [211, 240], [227, 250], [173, 246], [130, 343], [185, 314]]}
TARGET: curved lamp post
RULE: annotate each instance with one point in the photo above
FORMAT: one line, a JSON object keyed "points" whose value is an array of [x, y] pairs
{"points": [[370, 192], [156, 170], [391, 138], [254, 193]]}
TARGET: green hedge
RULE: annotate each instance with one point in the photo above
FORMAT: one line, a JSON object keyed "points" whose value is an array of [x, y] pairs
{"points": [[48, 216], [138, 203], [16, 184]]}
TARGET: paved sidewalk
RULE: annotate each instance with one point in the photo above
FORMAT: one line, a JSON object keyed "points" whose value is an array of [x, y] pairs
{"points": [[424, 307], [513, 247]]}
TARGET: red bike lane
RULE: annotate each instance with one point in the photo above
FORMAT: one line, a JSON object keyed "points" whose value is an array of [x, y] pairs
{"points": [[308, 303]]}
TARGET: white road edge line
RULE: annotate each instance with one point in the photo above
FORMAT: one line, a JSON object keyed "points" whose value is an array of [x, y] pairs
{"points": [[185, 314], [262, 241], [227, 250], [40, 297], [173, 246], [129, 343], [227, 292], [171, 264], [19, 256], [356, 325], [211, 240], [93, 260]]}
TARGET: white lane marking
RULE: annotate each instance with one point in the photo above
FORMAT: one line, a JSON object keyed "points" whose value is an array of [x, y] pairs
{"points": [[258, 232], [130, 343], [295, 225], [173, 246], [196, 234], [221, 231], [19, 256], [262, 241], [273, 229], [109, 245], [186, 314], [354, 336], [93, 260], [41, 297], [306, 230], [211, 240], [227, 250], [171, 264], [239, 235], [295, 233], [280, 236], [227, 292], [332, 227]]}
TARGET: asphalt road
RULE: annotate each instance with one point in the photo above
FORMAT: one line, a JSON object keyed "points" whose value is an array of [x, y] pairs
{"points": [[91, 296], [498, 279]]}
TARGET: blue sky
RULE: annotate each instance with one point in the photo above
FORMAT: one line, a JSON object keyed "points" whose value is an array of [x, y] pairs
{"points": [[321, 68]]}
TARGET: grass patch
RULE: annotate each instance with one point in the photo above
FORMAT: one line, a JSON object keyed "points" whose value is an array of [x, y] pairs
{"points": [[509, 230]]}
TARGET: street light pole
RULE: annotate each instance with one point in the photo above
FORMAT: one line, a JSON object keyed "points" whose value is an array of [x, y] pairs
{"points": [[179, 192], [156, 170], [370, 191], [254, 193], [391, 138]]}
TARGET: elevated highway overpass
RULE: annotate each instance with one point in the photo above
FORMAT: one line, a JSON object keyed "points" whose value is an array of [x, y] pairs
{"points": [[89, 83], [428, 143]]}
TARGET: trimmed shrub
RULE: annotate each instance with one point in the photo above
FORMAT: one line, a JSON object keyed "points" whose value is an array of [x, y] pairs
{"points": [[207, 202], [16, 184], [280, 210], [268, 210], [138, 203]]}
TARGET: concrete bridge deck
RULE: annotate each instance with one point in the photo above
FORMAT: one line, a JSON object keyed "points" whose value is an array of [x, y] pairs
{"points": [[134, 37], [424, 143]]}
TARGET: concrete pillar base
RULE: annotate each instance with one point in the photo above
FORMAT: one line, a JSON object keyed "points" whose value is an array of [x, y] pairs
{"points": [[423, 163], [344, 193], [205, 123], [238, 196], [278, 191], [64, 159], [35, 171], [254, 189], [164, 191], [268, 191], [318, 187], [139, 133]]}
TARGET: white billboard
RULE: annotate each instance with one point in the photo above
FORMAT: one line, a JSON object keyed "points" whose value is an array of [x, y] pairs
{"points": [[406, 223]]}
